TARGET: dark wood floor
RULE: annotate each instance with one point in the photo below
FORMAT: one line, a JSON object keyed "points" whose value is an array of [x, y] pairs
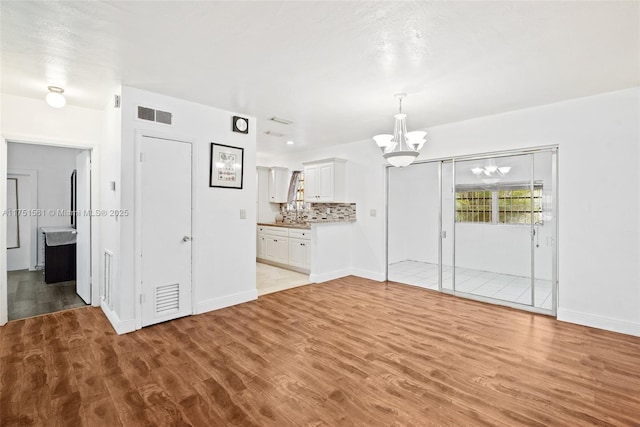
{"points": [[347, 352]]}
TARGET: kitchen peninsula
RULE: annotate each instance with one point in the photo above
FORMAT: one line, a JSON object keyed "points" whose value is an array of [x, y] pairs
{"points": [[317, 247]]}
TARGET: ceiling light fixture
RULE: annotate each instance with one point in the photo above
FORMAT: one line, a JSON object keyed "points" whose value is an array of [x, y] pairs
{"points": [[401, 148], [55, 97], [280, 120], [290, 142], [273, 133]]}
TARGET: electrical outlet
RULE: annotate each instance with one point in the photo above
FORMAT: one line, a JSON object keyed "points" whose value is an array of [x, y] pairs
{"points": [[243, 214], [372, 212]]}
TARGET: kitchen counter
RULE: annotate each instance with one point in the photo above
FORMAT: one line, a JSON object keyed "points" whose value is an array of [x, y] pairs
{"points": [[303, 226]]}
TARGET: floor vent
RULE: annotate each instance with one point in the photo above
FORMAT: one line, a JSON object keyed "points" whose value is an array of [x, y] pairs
{"points": [[151, 115], [167, 299], [108, 278]]}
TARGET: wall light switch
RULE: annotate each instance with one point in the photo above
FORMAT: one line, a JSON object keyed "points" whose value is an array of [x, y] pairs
{"points": [[372, 212], [243, 214]]}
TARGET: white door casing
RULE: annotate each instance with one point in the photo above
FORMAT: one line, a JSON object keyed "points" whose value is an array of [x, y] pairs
{"points": [[165, 209], [83, 225]]}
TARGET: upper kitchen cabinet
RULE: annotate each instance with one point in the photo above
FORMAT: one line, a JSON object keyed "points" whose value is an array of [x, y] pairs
{"points": [[325, 181], [278, 185]]}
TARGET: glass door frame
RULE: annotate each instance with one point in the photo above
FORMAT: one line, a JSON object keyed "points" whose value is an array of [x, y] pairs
{"points": [[554, 150]]}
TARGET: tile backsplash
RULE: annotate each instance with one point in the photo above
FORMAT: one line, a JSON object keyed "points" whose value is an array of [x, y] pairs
{"points": [[320, 212]]}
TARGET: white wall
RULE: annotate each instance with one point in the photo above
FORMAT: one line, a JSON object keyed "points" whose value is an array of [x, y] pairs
{"points": [[224, 249], [414, 205], [110, 165], [599, 170], [32, 120]]}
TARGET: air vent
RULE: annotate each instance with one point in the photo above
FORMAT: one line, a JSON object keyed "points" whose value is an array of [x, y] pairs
{"points": [[158, 116], [167, 299], [108, 278], [280, 120], [145, 113], [272, 133], [163, 117]]}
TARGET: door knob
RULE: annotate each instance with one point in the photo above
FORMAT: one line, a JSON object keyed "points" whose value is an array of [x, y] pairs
{"points": [[186, 238]]}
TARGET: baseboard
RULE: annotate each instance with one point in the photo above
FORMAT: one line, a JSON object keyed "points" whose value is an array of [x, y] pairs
{"points": [[285, 266], [121, 327], [598, 322], [368, 274], [325, 277], [226, 301]]}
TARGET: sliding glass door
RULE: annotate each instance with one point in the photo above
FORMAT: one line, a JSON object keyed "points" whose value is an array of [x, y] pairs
{"points": [[494, 213], [482, 228]]}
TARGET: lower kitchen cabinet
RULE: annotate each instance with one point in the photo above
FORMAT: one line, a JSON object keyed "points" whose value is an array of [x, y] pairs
{"points": [[300, 253], [285, 247], [277, 249]]}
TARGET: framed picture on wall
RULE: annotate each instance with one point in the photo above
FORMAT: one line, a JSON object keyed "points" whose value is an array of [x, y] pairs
{"points": [[226, 166]]}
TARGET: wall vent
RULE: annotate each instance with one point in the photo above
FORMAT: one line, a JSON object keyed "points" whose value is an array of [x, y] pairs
{"points": [[108, 278], [167, 299], [163, 117], [145, 113], [151, 115]]}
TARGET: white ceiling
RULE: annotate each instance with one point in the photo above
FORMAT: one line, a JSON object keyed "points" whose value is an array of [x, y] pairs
{"points": [[331, 67]]}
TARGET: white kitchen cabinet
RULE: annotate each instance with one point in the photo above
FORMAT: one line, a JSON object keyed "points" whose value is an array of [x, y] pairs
{"points": [[325, 181], [261, 248], [300, 253], [278, 185], [275, 244], [285, 247], [265, 211], [277, 249]]}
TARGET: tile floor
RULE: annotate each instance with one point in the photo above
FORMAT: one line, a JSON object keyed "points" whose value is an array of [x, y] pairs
{"points": [[273, 279], [28, 295], [484, 283]]}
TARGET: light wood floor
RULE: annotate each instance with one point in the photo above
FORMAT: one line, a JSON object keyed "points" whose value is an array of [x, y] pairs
{"points": [[346, 352]]}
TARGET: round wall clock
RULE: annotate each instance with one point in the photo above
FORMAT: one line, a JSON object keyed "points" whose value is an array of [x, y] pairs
{"points": [[240, 124]]}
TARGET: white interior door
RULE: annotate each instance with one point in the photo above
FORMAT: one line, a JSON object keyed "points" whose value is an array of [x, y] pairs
{"points": [[165, 187], [83, 225]]}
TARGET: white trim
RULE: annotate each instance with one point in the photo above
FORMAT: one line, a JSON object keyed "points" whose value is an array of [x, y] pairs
{"points": [[226, 301], [4, 308], [121, 327], [368, 274], [599, 322], [325, 277]]}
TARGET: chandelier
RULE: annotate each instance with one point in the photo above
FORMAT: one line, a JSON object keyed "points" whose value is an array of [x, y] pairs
{"points": [[401, 148]]}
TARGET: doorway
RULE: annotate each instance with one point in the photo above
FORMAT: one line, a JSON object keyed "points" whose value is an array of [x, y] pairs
{"points": [[480, 227], [45, 195]]}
